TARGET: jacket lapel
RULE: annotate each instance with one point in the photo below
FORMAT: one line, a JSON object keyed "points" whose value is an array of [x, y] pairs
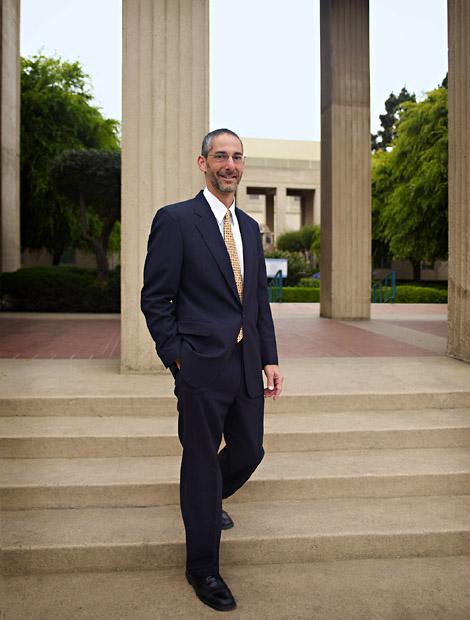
{"points": [[209, 229], [250, 255]]}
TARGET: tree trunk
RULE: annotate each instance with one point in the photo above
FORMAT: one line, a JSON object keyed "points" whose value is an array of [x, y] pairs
{"points": [[56, 259], [100, 253], [101, 261], [416, 271]]}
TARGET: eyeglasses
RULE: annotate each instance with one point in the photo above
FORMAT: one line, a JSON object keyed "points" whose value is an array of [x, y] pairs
{"points": [[223, 157]]}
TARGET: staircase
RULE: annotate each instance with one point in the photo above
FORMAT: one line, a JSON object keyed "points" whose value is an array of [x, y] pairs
{"points": [[346, 481]]}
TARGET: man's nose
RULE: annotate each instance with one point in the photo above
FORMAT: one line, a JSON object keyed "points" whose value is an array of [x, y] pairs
{"points": [[230, 163]]}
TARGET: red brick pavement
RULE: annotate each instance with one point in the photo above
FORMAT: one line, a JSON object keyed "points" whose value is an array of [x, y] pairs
{"points": [[60, 338], [330, 338], [300, 333]]}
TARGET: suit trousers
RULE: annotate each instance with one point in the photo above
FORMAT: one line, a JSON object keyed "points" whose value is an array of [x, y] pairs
{"points": [[208, 475]]}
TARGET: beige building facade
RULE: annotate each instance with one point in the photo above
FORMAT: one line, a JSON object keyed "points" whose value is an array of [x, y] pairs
{"points": [[280, 188]]}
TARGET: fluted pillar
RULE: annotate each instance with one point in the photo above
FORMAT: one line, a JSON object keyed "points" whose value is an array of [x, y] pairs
{"points": [[241, 196], [165, 116], [458, 343], [345, 160], [10, 257], [306, 208], [280, 212], [269, 212]]}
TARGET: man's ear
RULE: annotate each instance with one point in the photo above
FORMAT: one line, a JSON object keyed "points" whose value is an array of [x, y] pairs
{"points": [[201, 162]]}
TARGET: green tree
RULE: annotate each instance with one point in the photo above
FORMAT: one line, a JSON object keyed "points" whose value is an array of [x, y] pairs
{"points": [[56, 114], [381, 188], [91, 180], [409, 184], [304, 240], [393, 106]]}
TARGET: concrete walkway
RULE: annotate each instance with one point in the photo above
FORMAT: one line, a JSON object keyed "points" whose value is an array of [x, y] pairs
{"points": [[368, 408], [400, 351]]}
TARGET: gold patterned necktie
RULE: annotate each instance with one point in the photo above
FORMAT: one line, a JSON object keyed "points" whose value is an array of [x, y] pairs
{"points": [[232, 252]]}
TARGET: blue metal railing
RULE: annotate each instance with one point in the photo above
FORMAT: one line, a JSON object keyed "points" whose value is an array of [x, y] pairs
{"points": [[381, 289], [275, 287]]}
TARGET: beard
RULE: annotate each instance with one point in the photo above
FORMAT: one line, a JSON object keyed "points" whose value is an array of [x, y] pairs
{"points": [[219, 183]]}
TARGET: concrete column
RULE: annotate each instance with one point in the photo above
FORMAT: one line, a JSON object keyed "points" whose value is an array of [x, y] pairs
{"points": [[165, 116], [306, 206], [280, 211], [345, 160], [269, 212], [317, 206], [458, 344], [240, 198], [10, 257]]}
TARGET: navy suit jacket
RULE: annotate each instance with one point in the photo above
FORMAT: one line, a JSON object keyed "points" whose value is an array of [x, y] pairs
{"points": [[190, 299]]}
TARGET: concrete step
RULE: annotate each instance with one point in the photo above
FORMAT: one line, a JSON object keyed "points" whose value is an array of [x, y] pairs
{"points": [[48, 404], [153, 481], [376, 589], [93, 436], [270, 532]]}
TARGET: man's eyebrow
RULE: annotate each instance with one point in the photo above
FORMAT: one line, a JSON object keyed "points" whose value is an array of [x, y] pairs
{"points": [[225, 152]]}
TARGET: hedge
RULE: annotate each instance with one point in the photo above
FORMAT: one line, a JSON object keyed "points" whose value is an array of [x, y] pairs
{"points": [[419, 295], [300, 294], [404, 295], [59, 289], [70, 289]]}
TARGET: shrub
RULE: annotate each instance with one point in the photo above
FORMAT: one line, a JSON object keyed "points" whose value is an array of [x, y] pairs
{"points": [[420, 295], [404, 295], [297, 267], [439, 284], [312, 282], [59, 289], [300, 294]]}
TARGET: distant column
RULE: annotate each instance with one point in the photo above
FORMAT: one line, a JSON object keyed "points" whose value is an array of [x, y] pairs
{"points": [[345, 160], [241, 196], [165, 116], [269, 213], [317, 206], [458, 343], [306, 207], [280, 212], [10, 257]]}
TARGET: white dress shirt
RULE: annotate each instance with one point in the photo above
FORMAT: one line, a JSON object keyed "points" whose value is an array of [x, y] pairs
{"points": [[219, 210]]}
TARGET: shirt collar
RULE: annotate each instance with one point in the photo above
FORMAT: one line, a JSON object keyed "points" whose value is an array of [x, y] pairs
{"points": [[218, 208]]}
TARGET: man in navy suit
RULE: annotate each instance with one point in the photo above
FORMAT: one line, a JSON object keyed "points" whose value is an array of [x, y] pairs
{"points": [[206, 304]]}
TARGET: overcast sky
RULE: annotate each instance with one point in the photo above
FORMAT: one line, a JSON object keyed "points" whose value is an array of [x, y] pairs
{"points": [[265, 56]]}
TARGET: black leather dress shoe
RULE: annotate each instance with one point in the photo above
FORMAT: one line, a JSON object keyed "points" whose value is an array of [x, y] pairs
{"points": [[212, 591], [227, 522]]}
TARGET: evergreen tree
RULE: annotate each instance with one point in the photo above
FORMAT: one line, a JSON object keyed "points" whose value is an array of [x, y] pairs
{"points": [[393, 106]]}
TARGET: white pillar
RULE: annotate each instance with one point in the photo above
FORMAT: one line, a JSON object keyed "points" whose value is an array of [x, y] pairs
{"points": [[10, 257], [241, 196], [165, 116], [458, 344], [345, 160], [280, 211]]}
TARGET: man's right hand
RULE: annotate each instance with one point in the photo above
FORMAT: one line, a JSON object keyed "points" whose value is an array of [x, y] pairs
{"points": [[178, 362]]}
